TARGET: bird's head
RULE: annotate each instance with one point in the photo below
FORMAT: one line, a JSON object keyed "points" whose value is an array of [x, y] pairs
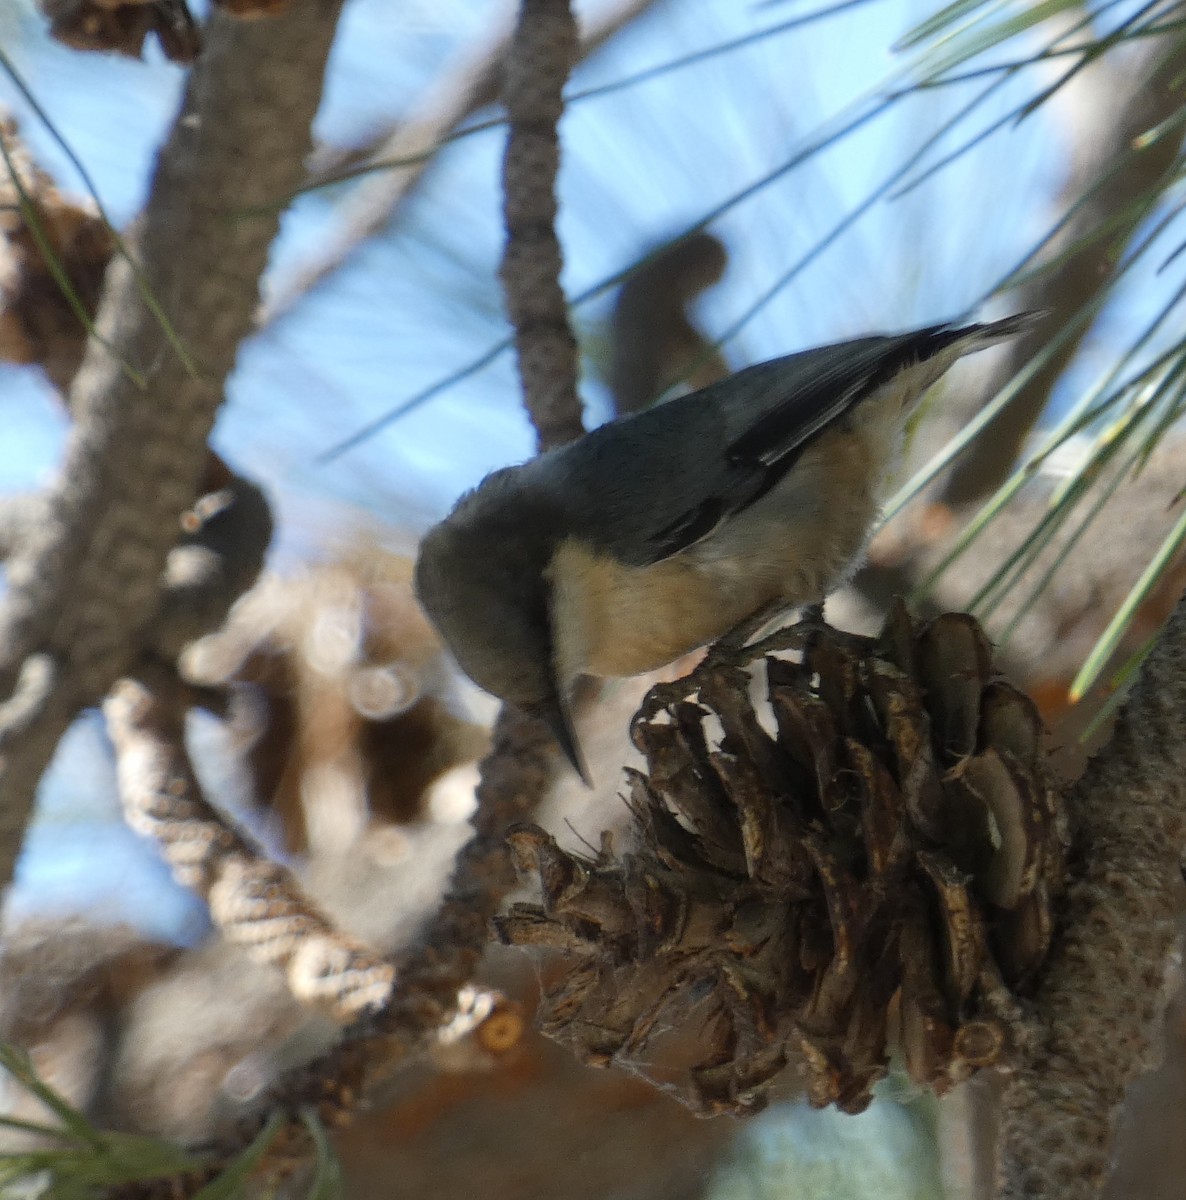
{"points": [[481, 576]]}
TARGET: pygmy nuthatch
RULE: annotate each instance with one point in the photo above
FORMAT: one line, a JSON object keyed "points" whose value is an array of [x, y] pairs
{"points": [[659, 532]]}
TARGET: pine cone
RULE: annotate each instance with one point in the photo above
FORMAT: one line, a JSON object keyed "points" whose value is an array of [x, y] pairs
{"points": [[123, 26], [869, 864]]}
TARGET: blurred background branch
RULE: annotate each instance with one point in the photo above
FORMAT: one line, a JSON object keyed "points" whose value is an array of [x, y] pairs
{"points": [[83, 587]]}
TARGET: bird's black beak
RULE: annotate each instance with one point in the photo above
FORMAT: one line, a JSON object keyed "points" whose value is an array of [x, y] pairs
{"points": [[555, 715]]}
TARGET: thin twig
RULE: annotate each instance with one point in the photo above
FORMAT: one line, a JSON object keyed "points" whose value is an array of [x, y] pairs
{"points": [[1113, 104], [516, 774]]}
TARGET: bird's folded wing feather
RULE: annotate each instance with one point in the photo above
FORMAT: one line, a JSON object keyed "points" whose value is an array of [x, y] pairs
{"points": [[729, 444]]}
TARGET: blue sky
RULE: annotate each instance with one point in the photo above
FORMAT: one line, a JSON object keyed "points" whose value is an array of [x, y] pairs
{"points": [[420, 301]]}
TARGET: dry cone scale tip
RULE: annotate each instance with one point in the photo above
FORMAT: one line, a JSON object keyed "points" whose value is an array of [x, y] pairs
{"points": [[863, 863]]}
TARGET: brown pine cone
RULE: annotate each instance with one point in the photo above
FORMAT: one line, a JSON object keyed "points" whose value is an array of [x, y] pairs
{"points": [[865, 862]]}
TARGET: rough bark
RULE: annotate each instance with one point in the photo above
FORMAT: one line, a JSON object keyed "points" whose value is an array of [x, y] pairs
{"points": [[543, 51], [1103, 992], [86, 584]]}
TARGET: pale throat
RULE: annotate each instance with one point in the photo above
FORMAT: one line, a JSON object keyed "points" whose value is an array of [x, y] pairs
{"points": [[610, 619]]}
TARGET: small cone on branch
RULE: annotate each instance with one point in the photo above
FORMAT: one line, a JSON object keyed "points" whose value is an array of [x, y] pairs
{"points": [[54, 253], [868, 866]]}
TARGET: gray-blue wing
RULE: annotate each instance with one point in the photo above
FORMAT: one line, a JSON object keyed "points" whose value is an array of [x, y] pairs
{"points": [[651, 485]]}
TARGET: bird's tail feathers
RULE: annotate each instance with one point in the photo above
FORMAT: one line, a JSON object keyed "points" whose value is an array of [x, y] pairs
{"points": [[989, 333]]}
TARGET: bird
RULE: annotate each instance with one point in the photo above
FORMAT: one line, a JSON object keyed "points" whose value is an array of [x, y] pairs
{"points": [[660, 532]]}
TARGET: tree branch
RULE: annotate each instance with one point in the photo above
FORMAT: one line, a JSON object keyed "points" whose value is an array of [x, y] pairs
{"points": [[86, 584], [255, 902], [542, 53], [1103, 991]]}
